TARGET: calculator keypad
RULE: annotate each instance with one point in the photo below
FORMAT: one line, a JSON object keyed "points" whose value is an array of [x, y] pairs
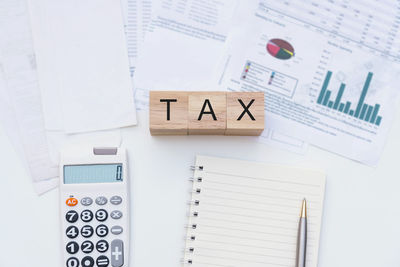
{"points": [[72, 247], [72, 232], [72, 262], [101, 201], [102, 246], [101, 230], [101, 215], [86, 201], [102, 261], [87, 246], [116, 200], [87, 231], [86, 215], [87, 262], [116, 214], [91, 223], [71, 216]]}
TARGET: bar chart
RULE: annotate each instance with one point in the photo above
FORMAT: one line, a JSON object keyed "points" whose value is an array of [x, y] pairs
{"points": [[362, 110]]}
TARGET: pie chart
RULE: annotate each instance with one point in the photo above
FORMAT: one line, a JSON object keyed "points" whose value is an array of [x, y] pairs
{"points": [[280, 49]]}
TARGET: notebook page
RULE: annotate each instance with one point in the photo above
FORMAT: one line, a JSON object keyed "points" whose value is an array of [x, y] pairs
{"points": [[247, 214]]}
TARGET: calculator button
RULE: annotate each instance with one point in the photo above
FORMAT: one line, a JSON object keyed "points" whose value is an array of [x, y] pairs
{"points": [[102, 261], [86, 215], [71, 202], [102, 246], [72, 247], [101, 215], [116, 200], [101, 201], [117, 253], [72, 232], [87, 231], [116, 230], [72, 262], [86, 201], [101, 230], [116, 214], [87, 262], [87, 247], [71, 216]]}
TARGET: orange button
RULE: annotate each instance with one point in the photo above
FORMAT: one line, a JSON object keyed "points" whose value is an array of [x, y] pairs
{"points": [[71, 201]]}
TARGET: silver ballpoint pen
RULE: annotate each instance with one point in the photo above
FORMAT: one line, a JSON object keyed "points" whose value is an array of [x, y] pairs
{"points": [[302, 237]]}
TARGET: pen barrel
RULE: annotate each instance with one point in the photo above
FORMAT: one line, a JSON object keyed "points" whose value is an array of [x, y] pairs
{"points": [[301, 243]]}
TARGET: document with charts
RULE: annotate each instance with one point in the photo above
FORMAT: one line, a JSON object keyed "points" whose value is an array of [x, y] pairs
{"points": [[193, 35], [329, 70]]}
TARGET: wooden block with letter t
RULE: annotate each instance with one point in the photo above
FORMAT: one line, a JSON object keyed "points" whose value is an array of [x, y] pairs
{"points": [[207, 113], [168, 113], [245, 113]]}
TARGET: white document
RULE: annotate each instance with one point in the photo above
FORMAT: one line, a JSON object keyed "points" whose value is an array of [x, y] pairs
{"points": [[20, 102], [10, 125], [323, 83], [183, 45], [21, 111], [247, 214], [83, 65]]}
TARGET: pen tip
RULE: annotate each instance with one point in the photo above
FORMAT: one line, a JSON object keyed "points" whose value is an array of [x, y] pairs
{"points": [[303, 213]]}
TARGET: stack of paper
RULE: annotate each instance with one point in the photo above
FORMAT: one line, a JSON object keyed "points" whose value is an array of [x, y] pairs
{"points": [[84, 83]]}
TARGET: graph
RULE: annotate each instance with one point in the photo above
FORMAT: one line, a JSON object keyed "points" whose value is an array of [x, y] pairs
{"points": [[362, 111], [280, 49]]}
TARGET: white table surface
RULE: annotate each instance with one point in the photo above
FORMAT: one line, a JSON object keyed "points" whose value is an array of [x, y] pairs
{"points": [[361, 221]]}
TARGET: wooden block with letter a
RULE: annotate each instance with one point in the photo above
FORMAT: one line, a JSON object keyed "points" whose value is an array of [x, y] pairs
{"points": [[245, 113], [168, 113], [207, 113]]}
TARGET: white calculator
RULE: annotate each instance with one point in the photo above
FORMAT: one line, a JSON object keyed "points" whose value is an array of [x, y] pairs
{"points": [[94, 207]]}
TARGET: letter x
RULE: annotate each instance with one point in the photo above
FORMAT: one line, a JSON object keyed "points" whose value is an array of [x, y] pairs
{"points": [[246, 110]]}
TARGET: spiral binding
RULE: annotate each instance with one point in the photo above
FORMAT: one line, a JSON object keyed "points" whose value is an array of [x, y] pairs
{"points": [[193, 215]]}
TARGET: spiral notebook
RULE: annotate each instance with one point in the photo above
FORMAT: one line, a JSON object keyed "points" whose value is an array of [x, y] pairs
{"points": [[246, 214]]}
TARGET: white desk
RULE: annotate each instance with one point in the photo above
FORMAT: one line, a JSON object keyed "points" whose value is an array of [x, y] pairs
{"points": [[361, 222]]}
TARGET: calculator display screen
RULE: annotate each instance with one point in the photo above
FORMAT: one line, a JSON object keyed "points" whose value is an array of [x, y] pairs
{"points": [[93, 173]]}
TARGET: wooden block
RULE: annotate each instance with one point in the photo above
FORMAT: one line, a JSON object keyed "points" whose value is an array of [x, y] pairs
{"points": [[168, 113], [245, 113], [207, 113]]}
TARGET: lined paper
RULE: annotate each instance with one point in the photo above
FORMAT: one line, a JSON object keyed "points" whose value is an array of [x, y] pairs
{"points": [[247, 214]]}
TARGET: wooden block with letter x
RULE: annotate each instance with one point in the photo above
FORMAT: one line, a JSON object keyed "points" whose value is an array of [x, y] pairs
{"points": [[245, 113], [207, 113], [168, 113]]}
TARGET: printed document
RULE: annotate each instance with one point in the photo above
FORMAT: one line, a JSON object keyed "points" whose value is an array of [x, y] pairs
{"points": [[329, 70], [137, 17], [20, 102], [183, 45]]}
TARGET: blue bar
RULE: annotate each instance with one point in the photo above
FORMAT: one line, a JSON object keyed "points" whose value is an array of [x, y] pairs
{"points": [[369, 112], [363, 94], [324, 86], [330, 104], [351, 112], [378, 120], [339, 96], [346, 109], [326, 99], [341, 107], [375, 113], [363, 111]]}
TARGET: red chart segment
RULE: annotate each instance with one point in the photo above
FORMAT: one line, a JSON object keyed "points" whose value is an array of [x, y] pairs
{"points": [[280, 49]]}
